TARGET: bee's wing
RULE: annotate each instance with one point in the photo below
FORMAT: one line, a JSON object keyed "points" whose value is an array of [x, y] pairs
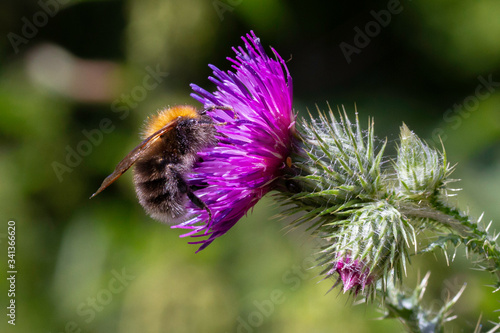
{"points": [[135, 154]]}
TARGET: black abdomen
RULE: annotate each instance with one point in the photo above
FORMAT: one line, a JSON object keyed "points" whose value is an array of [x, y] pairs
{"points": [[161, 189], [159, 176]]}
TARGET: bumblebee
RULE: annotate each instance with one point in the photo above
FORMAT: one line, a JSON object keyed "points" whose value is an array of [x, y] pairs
{"points": [[172, 140]]}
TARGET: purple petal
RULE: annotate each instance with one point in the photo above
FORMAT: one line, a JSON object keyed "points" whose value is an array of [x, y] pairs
{"points": [[254, 145]]}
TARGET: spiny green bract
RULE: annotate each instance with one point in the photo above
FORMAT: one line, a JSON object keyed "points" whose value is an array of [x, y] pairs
{"points": [[409, 310]]}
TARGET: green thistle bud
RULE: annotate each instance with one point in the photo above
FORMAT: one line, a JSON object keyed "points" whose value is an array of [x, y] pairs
{"points": [[336, 167], [421, 170], [371, 243]]}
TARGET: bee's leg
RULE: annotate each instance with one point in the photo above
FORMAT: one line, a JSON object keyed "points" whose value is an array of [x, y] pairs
{"points": [[184, 188], [219, 107], [199, 203]]}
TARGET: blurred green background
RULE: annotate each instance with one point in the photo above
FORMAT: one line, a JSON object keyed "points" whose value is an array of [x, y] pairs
{"points": [[76, 77]]}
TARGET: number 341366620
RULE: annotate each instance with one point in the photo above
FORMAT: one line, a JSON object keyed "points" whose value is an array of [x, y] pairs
{"points": [[11, 250]]}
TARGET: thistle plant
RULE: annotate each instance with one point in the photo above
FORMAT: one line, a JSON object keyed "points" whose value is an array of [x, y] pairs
{"points": [[329, 173]]}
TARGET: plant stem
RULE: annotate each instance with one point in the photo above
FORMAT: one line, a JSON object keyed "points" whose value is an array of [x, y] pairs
{"points": [[476, 239]]}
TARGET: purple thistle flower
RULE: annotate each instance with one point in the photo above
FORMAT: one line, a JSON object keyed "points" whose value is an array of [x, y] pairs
{"points": [[354, 274], [254, 141]]}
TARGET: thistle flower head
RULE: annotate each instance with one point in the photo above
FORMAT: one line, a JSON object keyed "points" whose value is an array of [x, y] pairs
{"points": [[254, 140]]}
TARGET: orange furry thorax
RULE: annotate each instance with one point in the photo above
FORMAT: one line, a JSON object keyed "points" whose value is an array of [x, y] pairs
{"points": [[165, 116]]}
